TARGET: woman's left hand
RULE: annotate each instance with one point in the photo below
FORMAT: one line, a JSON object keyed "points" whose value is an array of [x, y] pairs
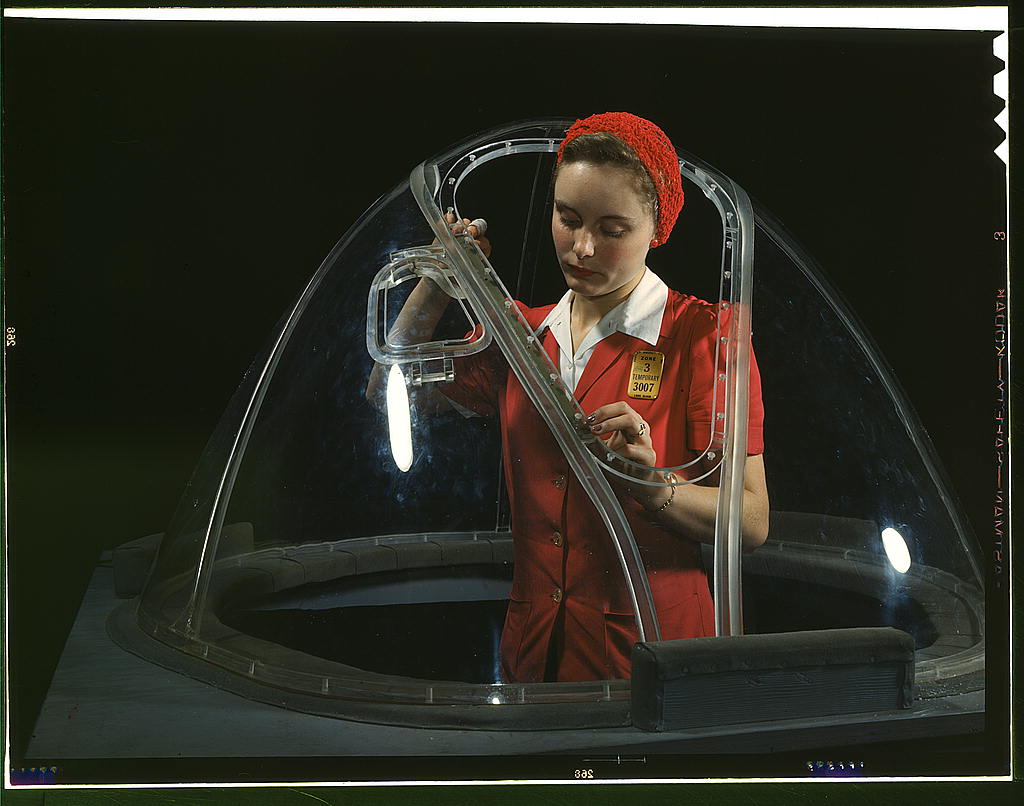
{"points": [[625, 432]]}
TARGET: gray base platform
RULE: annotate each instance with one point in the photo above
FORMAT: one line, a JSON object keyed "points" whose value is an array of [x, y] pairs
{"points": [[105, 703]]}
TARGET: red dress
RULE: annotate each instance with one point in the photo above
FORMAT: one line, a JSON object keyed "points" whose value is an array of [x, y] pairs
{"points": [[569, 615]]}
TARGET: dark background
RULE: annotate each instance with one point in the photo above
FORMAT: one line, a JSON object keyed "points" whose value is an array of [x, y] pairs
{"points": [[170, 188]]}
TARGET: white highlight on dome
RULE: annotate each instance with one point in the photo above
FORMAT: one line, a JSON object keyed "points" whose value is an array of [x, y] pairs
{"points": [[399, 421], [896, 549]]}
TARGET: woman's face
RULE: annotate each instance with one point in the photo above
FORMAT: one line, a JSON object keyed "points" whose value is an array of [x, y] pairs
{"points": [[601, 227]]}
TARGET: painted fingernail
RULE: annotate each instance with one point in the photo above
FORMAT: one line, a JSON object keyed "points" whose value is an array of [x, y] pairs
{"points": [[595, 428]]}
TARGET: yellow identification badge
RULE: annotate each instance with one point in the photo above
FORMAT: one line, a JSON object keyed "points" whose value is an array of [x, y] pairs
{"points": [[645, 376]]}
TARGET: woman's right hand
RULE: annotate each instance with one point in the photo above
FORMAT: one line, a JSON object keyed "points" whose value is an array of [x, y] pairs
{"points": [[458, 227]]}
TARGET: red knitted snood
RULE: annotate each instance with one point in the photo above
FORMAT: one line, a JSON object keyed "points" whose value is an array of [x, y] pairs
{"points": [[655, 151]]}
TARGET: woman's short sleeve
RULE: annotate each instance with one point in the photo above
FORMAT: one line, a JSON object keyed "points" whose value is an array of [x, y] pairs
{"points": [[705, 369], [478, 380]]}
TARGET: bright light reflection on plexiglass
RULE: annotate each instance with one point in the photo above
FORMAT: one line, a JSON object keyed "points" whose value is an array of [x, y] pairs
{"points": [[896, 549], [399, 426]]}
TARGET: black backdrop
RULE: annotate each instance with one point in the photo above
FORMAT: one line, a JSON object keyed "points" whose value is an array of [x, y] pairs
{"points": [[169, 188]]}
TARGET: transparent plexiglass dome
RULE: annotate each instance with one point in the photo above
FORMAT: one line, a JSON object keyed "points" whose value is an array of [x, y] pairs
{"points": [[326, 558]]}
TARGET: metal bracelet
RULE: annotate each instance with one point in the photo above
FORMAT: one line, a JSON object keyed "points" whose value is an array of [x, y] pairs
{"points": [[671, 479]]}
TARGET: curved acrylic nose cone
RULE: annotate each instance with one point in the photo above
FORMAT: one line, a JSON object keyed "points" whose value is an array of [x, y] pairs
{"points": [[389, 491]]}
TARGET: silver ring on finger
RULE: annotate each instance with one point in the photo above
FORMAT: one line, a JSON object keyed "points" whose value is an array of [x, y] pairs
{"points": [[641, 430]]}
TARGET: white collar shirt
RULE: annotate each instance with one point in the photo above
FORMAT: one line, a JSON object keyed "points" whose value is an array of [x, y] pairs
{"points": [[639, 315]]}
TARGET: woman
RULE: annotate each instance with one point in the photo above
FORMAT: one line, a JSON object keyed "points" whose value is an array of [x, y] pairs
{"points": [[617, 193]]}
